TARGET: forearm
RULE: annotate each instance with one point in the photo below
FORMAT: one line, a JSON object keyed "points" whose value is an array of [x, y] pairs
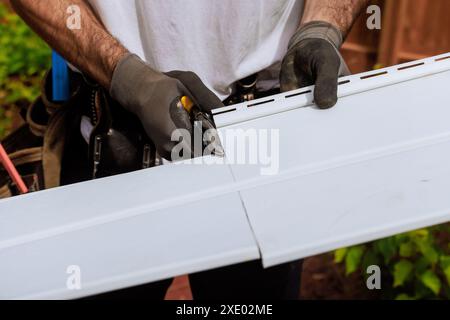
{"points": [[91, 48], [340, 13]]}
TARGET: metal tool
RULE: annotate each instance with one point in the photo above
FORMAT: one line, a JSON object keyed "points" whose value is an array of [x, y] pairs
{"points": [[210, 135]]}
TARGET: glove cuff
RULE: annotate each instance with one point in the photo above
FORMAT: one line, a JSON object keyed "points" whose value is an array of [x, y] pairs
{"points": [[318, 30]]}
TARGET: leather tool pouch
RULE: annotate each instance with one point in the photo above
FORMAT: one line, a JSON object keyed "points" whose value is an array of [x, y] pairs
{"points": [[26, 154], [36, 148], [118, 142]]}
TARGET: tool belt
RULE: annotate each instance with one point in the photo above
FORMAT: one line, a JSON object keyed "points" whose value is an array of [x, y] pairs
{"points": [[36, 148], [49, 151]]}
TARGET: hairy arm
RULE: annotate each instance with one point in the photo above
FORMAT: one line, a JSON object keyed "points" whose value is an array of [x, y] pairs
{"points": [[340, 13], [91, 48]]}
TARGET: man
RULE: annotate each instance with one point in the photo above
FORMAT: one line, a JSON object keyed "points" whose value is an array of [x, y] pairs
{"points": [[132, 48]]}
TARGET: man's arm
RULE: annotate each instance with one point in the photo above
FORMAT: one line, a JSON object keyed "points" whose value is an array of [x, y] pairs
{"points": [[91, 49], [340, 13]]}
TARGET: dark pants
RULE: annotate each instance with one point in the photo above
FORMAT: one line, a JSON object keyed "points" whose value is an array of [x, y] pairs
{"points": [[247, 281]]}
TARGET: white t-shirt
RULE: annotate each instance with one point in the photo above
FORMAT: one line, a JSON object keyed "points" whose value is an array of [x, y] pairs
{"points": [[222, 41]]}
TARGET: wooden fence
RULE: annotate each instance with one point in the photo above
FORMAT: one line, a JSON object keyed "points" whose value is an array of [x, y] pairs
{"points": [[411, 29]]}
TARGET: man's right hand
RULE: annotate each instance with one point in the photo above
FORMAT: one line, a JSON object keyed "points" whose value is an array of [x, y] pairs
{"points": [[154, 97]]}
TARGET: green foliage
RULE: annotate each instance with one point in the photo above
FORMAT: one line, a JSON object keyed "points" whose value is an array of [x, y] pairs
{"points": [[5, 121], [353, 259], [445, 266], [415, 265], [24, 57], [339, 255], [430, 279], [402, 271]]}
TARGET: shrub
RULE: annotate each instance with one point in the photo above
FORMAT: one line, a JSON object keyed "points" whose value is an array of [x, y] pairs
{"points": [[415, 265], [24, 57]]}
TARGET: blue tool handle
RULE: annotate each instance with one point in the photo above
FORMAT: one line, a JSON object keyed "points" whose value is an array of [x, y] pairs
{"points": [[60, 78]]}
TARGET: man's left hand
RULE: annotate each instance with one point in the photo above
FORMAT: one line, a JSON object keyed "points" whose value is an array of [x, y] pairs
{"points": [[313, 58]]}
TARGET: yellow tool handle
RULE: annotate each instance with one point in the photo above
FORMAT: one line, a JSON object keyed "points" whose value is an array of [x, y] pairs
{"points": [[207, 124], [187, 103]]}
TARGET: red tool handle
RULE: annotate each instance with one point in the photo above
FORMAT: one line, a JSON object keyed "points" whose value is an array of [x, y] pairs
{"points": [[12, 171]]}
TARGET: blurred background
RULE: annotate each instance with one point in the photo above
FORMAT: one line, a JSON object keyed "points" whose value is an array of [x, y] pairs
{"points": [[415, 265], [410, 30]]}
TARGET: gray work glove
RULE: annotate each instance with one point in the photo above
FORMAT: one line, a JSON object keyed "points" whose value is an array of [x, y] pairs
{"points": [[313, 58], [154, 98]]}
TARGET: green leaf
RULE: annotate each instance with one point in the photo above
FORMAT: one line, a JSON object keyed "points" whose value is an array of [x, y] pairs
{"points": [[430, 254], [424, 241], [421, 265], [404, 297], [402, 271], [445, 266], [445, 261], [407, 250], [339, 255], [446, 272], [387, 247], [422, 233], [370, 258], [353, 259], [431, 281]]}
